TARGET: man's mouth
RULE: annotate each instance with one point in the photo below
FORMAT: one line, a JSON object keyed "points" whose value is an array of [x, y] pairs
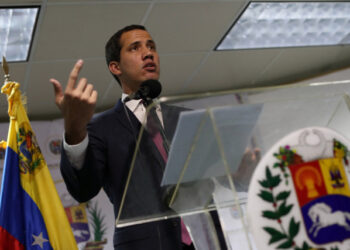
{"points": [[150, 66]]}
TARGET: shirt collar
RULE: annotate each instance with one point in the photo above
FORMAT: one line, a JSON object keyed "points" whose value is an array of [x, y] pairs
{"points": [[131, 104], [134, 104]]}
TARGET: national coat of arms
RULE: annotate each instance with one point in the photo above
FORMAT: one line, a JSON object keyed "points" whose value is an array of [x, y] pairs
{"points": [[300, 195], [55, 146], [30, 156]]}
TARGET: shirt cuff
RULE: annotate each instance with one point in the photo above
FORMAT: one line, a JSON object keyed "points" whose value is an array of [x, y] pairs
{"points": [[76, 153]]}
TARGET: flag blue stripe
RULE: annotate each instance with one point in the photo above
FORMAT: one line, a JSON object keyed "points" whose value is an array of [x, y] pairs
{"points": [[19, 215]]}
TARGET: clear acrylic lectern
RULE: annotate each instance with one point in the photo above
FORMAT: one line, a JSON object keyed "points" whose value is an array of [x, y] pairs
{"points": [[213, 143]]}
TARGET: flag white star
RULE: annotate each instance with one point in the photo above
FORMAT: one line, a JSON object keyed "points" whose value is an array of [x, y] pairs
{"points": [[39, 240]]}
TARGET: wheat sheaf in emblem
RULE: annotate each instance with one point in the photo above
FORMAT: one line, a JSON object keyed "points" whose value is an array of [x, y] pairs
{"points": [[322, 191]]}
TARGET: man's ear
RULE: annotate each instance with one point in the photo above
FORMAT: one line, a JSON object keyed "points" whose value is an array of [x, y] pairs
{"points": [[114, 68]]}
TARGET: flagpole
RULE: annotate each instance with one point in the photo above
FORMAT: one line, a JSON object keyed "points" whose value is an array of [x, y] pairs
{"points": [[5, 67]]}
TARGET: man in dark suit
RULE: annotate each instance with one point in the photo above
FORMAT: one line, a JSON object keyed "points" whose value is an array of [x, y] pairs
{"points": [[98, 153]]}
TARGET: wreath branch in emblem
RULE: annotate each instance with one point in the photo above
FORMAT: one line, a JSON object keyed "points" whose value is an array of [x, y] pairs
{"points": [[280, 209], [341, 151], [286, 157], [98, 224]]}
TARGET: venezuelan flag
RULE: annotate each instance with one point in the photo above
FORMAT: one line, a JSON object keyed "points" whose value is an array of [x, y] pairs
{"points": [[31, 213]]}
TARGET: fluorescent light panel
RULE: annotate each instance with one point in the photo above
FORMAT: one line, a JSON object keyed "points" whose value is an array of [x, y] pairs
{"points": [[16, 32], [289, 24]]}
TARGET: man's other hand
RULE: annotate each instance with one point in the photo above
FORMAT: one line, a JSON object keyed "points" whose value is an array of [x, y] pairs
{"points": [[77, 104]]}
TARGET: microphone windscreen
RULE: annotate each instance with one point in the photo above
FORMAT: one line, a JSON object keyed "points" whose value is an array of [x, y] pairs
{"points": [[151, 88]]}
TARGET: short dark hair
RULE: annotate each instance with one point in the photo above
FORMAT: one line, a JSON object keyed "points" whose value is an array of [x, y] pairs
{"points": [[113, 46]]}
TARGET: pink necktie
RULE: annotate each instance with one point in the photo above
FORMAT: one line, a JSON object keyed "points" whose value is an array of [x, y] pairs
{"points": [[158, 140]]}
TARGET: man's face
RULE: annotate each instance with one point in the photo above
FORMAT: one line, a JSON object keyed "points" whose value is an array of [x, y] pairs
{"points": [[139, 59]]}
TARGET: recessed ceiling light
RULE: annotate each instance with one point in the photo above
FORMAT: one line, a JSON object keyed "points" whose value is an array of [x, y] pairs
{"points": [[289, 24], [16, 32]]}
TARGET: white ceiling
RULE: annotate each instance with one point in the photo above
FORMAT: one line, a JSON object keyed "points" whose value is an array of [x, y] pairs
{"points": [[186, 33]]}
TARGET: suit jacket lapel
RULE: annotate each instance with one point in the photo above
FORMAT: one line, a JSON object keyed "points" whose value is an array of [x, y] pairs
{"points": [[127, 118], [131, 123]]}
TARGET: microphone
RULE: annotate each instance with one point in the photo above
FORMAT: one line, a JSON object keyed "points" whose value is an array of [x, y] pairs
{"points": [[148, 90]]}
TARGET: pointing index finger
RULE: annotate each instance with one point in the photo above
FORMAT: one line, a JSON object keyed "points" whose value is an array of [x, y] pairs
{"points": [[73, 76]]}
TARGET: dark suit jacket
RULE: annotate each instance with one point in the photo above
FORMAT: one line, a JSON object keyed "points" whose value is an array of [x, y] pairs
{"points": [[112, 139]]}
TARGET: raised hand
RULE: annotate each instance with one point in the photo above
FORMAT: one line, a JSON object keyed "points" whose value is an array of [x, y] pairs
{"points": [[77, 104]]}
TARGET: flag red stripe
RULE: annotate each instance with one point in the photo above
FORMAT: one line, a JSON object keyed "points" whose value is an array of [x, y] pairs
{"points": [[8, 241]]}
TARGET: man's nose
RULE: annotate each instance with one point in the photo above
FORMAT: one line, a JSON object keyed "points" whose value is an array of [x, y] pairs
{"points": [[147, 54]]}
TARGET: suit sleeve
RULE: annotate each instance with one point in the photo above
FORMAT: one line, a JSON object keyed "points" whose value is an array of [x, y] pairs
{"points": [[85, 183]]}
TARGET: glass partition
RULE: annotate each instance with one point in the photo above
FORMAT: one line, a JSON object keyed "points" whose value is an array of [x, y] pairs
{"points": [[209, 147]]}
